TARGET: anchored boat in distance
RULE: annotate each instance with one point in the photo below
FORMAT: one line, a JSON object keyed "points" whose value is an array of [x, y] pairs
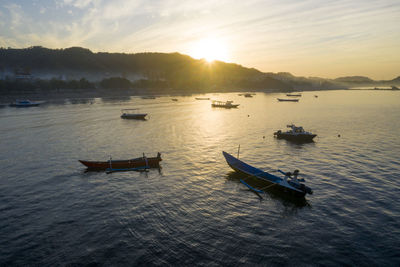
{"points": [[131, 113], [26, 103], [288, 100], [296, 95], [221, 104], [296, 134]]}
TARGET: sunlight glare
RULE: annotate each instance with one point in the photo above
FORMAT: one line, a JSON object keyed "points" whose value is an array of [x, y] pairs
{"points": [[210, 50]]}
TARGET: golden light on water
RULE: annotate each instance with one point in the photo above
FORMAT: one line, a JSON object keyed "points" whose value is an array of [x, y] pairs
{"points": [[210, 49]]}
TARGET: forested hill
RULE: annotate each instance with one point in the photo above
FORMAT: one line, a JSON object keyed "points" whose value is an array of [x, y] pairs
{"points": [[173, 70]]}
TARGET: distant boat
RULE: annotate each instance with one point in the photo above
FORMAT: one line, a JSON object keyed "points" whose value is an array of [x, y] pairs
{"points": [[297, 95], [148, 97], [315, 96], [287, 100], [292, 186], [395, 87], [131, 113], [222, 104], [248, 95], [295, 134], [202, 98], [174, 99], [26, 103], [136, 163]]}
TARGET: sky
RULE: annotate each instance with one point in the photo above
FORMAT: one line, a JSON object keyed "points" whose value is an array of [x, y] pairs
{"points": [[311, 38]]}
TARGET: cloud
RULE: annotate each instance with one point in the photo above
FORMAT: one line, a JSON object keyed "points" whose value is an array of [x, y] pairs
{"points": [[16, 14], [260, 33], [79, 3]]}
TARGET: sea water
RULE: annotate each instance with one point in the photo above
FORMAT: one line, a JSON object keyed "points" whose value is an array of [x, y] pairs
{"points": [[194, 210]]}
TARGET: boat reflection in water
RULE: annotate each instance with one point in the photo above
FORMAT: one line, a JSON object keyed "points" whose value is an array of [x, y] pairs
{"points": [[287, 200]]}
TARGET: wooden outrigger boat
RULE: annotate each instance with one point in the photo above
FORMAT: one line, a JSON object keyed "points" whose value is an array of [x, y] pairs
{"points": [[292, 186], [124, 165]]}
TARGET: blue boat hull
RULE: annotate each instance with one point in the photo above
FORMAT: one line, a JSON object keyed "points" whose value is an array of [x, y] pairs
{"points": [[244, 168]]}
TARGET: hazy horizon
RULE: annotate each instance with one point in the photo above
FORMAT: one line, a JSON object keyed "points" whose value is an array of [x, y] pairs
{"points": [[327, 39]]}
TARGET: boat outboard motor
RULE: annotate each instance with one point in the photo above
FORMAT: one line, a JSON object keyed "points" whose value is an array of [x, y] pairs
{"points": [[308, 190]]}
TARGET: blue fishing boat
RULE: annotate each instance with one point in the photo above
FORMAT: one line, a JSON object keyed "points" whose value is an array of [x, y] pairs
{"points": [[25, 103], [289, 184]]}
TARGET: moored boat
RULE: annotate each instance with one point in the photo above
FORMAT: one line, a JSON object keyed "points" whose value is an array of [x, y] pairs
{"points": [[202, 98], [26, 103], [131, 113], [296, 95], [222, 104], [295, 134], [289, 184], [141, 162], [288, 100]]}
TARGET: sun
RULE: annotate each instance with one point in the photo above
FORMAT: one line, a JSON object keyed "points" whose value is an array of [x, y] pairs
{"points": [[210, 49]]}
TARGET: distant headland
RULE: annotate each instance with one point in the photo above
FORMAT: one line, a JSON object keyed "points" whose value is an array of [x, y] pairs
{"points": [[39, 70]]}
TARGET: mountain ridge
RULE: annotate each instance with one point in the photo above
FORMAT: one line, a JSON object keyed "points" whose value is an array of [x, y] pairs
{"points": [[174, 70]]}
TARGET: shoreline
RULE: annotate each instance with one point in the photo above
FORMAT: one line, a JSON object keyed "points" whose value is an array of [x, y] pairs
{"points": [[62, 94]]}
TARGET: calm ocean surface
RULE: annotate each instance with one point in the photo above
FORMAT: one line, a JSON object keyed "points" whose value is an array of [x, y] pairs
{"points": [[194, 210]]}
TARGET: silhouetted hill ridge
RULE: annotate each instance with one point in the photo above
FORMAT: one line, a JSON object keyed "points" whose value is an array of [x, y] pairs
{"points": [[174, 70]]}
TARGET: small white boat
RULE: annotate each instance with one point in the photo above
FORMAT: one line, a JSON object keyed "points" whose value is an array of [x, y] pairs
{"points": [[132, 114], [26, 103]]}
